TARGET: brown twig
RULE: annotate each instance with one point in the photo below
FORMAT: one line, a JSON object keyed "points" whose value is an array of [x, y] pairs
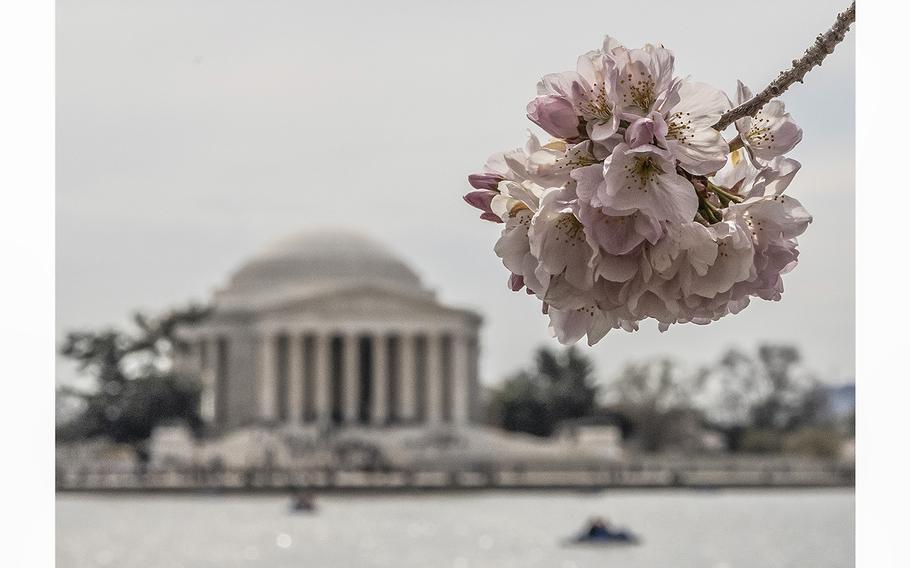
{"points": [[824, 44]]}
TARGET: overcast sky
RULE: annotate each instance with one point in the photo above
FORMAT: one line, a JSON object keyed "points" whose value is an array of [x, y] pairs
{"points": [[191, 134]]}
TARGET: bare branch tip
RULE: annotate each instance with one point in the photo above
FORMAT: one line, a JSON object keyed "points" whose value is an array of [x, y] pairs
{"points": [[824, 44]]}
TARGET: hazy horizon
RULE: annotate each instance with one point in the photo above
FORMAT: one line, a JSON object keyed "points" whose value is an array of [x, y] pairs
{"points": [[192, 135]]}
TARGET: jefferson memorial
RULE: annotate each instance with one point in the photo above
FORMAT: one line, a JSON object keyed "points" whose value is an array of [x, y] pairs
{"points": [[332, 330]]}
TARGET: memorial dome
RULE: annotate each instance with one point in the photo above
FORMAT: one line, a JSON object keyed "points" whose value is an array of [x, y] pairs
{"points": [[323, 259]]}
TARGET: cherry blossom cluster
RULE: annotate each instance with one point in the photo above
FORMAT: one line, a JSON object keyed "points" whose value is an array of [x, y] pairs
{"points": [[638, 207]]}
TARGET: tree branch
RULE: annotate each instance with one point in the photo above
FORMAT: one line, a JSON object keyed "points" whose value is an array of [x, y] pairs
{"points": [[824, 44]]}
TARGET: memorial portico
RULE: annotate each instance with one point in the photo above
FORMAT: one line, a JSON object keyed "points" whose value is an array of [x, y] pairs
{"points": [[330, 329]]}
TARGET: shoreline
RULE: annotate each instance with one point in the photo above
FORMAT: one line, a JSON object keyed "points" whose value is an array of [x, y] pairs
{"points": [[369, 491]]}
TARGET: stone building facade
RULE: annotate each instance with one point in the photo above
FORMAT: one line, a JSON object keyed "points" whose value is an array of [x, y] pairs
{"points": [[333, 330]]}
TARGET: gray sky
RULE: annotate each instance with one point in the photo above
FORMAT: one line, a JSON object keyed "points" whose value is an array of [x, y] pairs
{"points": [[190, 134]]}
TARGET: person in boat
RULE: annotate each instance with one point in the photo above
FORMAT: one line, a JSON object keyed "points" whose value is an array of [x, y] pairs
{"points": [[599, 528], [304, 501]]}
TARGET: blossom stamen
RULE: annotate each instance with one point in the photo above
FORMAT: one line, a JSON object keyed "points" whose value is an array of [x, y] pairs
{"points": [[641, 93], [597, 105], [679, 127], [571, 229]]}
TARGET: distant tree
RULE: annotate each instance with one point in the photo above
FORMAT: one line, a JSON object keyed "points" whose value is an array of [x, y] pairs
{"points": [[755, 399], [727, 392], [561, 386], [568, 381], [654, 385], [135, 386], [656, 396], [520, 405], [792, 393]]}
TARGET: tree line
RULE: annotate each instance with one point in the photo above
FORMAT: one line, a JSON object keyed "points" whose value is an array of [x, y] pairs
{"points": [[761, 402]]}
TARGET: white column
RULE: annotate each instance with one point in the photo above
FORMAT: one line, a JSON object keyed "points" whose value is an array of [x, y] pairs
{"points": [[379, 413], [461, 379], [473, 376], [322, 382], [295, 378], [268, 379], [434, 378], [351, 380], [407, 373], [208, 348]]}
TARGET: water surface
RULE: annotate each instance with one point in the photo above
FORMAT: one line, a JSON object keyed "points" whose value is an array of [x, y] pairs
{"points": [[680, 529]]}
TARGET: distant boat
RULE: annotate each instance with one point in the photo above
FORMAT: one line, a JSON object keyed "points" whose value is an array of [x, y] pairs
{"points": [[303, 503], [599, 533], [618, 538]]}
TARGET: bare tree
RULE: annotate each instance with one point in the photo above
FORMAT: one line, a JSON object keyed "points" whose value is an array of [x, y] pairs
{"points": [[769, 393], [656, 396]]}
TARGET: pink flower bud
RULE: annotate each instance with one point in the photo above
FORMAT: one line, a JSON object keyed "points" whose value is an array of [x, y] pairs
{"points": [[646, 130], [481, 199], [484, 181], [556, 115]]}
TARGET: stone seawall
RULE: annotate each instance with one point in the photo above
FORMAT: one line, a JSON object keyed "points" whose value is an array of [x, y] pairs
{"points": [[729, 473]]}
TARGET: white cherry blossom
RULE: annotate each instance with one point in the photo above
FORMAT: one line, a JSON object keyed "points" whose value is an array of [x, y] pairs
{"points": [[746, 176], [514, 248], [771, 132], [644, 179], [690, 111], [644, 75], [589, 92], [558, 241]]}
